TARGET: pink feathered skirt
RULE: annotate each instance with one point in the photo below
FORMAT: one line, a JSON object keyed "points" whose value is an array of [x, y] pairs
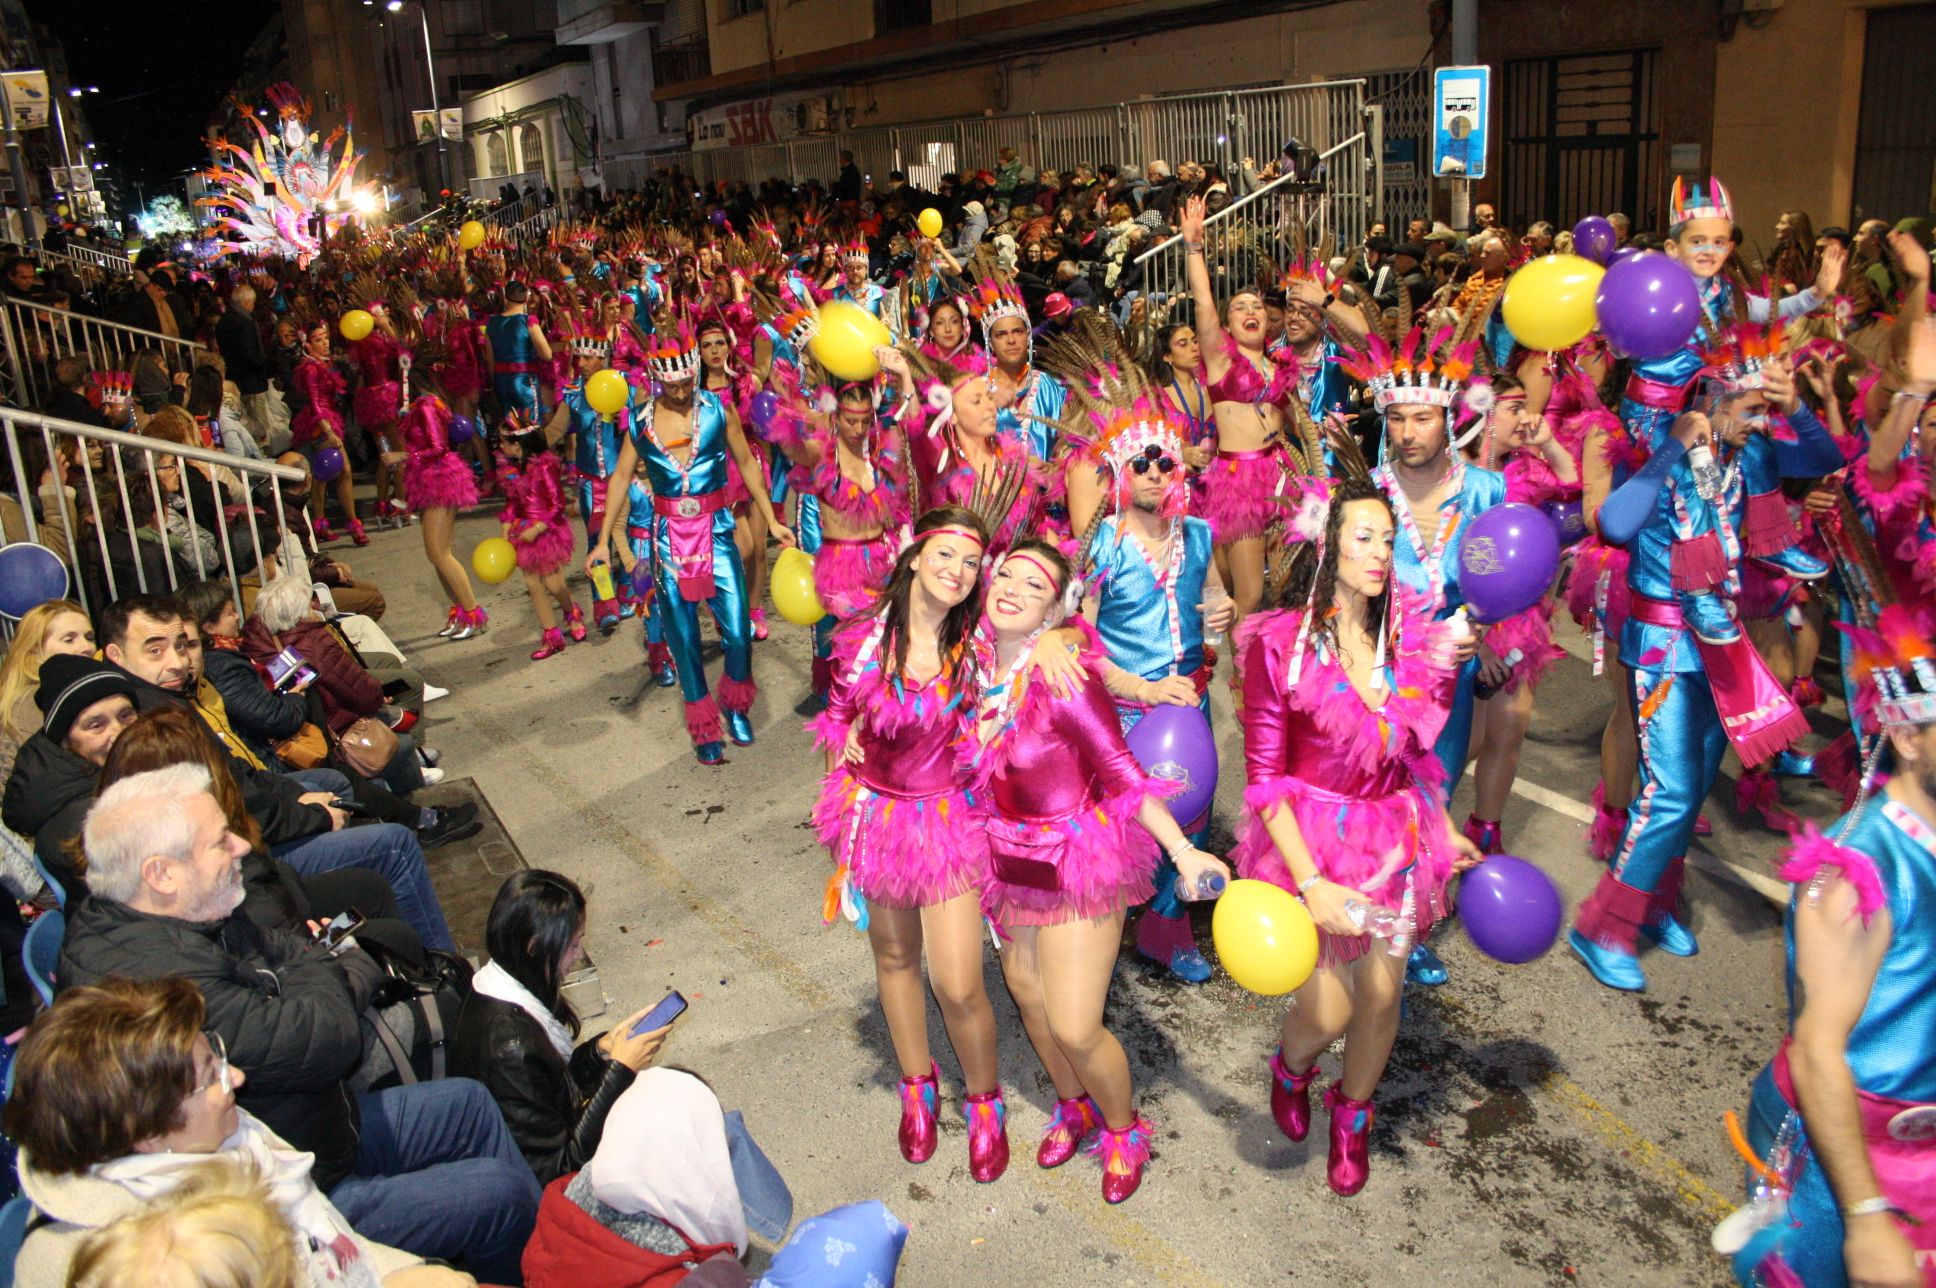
{"points": [[1105, 862], [438, 481], [547, 552], [1385, 846], [1240, 494], [379, 406], [901, 852], [1593, 562], [849, 574]]}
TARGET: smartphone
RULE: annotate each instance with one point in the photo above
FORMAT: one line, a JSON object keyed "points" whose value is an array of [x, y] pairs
{"points": [[348, 806], [661, 1015], [288, 671], [340, 927]]}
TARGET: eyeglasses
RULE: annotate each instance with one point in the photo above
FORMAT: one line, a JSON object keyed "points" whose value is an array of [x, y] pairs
{"points": [[1153, 456], [221, 1065]]}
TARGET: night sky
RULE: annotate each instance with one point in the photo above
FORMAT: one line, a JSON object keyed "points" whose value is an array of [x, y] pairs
{"points": [[161, 68]]}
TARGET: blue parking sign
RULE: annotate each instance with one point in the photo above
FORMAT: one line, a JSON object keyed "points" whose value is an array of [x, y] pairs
{"points": [[1461, 117]]}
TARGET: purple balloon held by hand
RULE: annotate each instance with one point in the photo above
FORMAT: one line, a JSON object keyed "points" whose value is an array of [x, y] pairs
{"points": [[1507, 558], [1568, 521], [328, 465], [1649, 305], [765, 404], [1510, 908], [1594, 238], [1175, 743]]}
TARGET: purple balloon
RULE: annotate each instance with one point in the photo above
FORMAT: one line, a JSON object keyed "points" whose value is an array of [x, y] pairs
{"points": [[765, 405], [1507, 559], [30, 575], [1510, 908], [1594, 238], [1649, 305], [1569, 521], [1175, 743], [1624, 254], [328, 465], [462, 430], [718, 218]]}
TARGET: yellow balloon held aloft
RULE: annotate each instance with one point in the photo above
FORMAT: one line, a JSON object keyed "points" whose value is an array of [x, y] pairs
{"points": [[929, 222], [356, 324], [1265, 938], [471, 235], [493, 560], [846, 341], [607, 392], [792, 585], [1549, 303]]}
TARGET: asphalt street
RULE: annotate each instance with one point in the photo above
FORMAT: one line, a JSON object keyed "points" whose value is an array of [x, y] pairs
{"points": [[1534, 1128]]}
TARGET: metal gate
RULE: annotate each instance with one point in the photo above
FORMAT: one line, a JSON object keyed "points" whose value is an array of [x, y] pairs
{"points": [[1406, 100], [1895, 148], [1582, 138]]}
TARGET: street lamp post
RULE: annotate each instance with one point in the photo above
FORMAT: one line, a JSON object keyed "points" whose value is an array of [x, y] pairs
{"points": [[436, 109]]}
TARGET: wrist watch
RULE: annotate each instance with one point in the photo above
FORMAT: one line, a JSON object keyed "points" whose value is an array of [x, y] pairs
{"points": [[1308, 882]]}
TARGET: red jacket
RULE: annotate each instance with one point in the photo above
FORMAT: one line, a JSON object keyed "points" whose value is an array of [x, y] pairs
{"points": [[349, 692], [569, 1249]]}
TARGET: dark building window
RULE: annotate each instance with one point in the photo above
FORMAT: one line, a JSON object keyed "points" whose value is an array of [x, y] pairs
{"points": [[740, 8], [899, 15]]}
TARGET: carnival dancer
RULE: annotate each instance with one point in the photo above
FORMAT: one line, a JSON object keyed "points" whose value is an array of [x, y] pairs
{"points": [[460, 374], [1698, 685], [1315, 319], [382, 392], [533, 521], [518, 352], [625, 339], [319, 387], [1434, 495], [736, 390], [853, 287], [1346, 686], [1030, 399], [1842, 1123], [1539, 471], [596, 439], [1176, 364], [1251, 387], [946, 337], [636, 556], [439, 485], [684, 435], [1069, 818], [957, 448]]}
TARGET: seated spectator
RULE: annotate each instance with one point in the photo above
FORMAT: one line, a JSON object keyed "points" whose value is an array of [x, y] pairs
{"points": [[262, 715], [208, 403], [84, 704], [218, 1227], [59, 626], [146, 638], [120, 1099], [428, 1168], [69, 401]]}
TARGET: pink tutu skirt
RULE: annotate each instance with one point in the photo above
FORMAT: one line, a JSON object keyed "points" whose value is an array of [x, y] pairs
{"points": [[1358, 843], [461, 379], [547, 552], [901, 852], [1531, 634], [1240, 494], [438, 481], [1591, 561], [379, 406], [849, 574], [308, 427], [1106, 863]]}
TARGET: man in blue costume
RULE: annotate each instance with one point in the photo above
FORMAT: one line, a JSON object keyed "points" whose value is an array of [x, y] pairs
{"points": [[518, 350]]}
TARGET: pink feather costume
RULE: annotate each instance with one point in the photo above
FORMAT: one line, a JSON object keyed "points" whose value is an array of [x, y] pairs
{"points": [[947, 480], [900, 821], [437, 478], [1240, 488], [849, 573], [379, 390], [1530, 481], [534, 492], [321, 387], [461, 373], [1059, 791], [1364, 785]]}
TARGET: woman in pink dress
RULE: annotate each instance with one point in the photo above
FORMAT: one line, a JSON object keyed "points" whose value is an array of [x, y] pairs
{"points": [[319, 387], [1344, 694], [439, 484], [1072, 825]]}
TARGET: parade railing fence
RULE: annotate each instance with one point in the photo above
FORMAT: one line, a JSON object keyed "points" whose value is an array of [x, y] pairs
{"points": [[1220, 128], [1255, 234], [37, 335], [128, 463], [82, 258], [533, 227]]}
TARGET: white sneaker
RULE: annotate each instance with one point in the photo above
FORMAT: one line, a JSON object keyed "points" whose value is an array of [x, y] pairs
{"points": [[432, 776], [431, 693]]}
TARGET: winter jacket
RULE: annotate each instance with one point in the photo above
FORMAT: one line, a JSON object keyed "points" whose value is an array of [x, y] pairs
{"points": [[240, 340], [287, 1011], [46, 798], [569, 1248], [555, 1111], [348, 690], [258, 713]]}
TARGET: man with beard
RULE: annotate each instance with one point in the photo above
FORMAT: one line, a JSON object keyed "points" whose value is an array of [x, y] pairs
{"points": [[429, 1168]]}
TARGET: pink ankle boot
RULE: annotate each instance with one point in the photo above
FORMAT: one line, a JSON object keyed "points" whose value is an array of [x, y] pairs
{"points": [[1124, 1154], [1484, 833], [575, 623], [1290, 1098], [920, 1098], [1349, 1166], [550, 645], [987, 1135], [1609, 825], [1068, 1127]]}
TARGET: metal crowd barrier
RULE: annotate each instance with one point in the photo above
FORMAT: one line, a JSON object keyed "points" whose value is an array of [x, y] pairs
{"points": [[127, 466], [86, 257], [37, 335]]}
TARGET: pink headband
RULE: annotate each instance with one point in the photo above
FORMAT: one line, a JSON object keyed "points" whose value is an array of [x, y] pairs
{"points": [[1046, 571], [957, 532]]}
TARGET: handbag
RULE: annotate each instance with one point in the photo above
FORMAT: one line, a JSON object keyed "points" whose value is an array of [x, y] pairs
{"points": [[1026, 854], [368, 745], [306, 748]]}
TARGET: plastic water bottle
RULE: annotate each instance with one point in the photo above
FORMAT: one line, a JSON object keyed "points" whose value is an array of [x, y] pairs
{"points": [[602, 581], [1375, 919], [1208, 886]]}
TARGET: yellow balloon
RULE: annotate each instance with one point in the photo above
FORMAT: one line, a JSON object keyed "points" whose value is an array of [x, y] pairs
{"points": [[1549, 304], [1265, 938], [929, 222], [607, 392], [846, 340], [356, 324], [493, 560], [471, 235], [792, 585]]}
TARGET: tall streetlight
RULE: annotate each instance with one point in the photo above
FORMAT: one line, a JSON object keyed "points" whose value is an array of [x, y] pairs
{"points": [[430, 67]]}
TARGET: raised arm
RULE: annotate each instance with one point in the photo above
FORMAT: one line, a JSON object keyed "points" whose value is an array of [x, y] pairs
{"points": [[1197, 272]]}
